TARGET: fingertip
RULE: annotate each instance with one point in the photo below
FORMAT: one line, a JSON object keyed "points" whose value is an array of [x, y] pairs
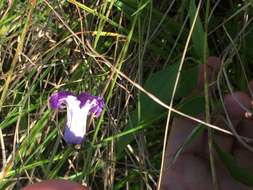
{"points": [[214, 62], [56, 184], [181, 129], [236, 105], [250, 87], [213, 65]]}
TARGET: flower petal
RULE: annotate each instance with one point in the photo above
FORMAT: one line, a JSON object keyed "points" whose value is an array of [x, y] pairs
{"points": [[97, 106], [78, 109], [71, 138], [76, 120], [58, 99]]}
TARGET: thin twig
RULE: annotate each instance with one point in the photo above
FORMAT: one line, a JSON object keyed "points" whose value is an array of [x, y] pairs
{"points": [[173, 94], [153, 97]]}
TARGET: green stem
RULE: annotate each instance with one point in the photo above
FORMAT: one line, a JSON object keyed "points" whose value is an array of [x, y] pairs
{"points": [[207, 103]]}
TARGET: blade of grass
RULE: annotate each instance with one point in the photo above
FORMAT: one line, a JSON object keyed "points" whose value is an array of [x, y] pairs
{"points": [[196, 132], [8, 80]]}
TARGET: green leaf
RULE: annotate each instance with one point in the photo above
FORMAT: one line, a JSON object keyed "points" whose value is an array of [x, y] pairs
{"points": [[198, 35], [193, 105], [240, 174], [251, 2], [161, 84]]}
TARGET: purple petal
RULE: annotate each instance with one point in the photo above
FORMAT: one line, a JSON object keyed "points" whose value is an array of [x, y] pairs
{"points": [[99, 103], [57, 99], [71, 138], [78, 109]]}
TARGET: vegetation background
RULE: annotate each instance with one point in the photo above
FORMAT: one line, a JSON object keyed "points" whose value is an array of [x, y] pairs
{"points": [[126, 51]]}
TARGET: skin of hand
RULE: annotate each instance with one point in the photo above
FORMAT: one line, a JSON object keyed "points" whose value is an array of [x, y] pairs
{"points": [[191, 171], [55, 184]]}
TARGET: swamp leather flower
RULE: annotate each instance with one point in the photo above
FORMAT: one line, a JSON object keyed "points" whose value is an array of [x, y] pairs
{"points": [[78, 109]]}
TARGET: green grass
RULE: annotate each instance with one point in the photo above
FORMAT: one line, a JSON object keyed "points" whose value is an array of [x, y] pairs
{"points": [[66, 45]]}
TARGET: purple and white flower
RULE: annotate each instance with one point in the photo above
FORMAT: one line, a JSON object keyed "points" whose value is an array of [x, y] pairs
{"points": [[78, 109]]}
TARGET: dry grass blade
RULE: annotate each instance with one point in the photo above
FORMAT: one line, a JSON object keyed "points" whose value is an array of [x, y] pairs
{"points": [[94, 54], [174, 92], [13, 65]]}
